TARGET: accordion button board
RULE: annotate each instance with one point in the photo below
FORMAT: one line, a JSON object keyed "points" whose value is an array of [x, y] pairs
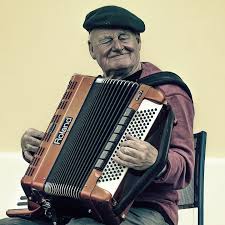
{"points": [[139, 125]]}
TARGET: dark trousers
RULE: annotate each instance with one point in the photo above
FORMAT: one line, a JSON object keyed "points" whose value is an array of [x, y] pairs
{"points": [[136, 216]]}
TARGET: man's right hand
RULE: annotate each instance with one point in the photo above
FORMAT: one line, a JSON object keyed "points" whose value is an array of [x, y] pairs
{"points": [[30, 142]]}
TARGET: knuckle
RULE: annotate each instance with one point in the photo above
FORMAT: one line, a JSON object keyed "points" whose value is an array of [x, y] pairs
{"points": [[125, 150], [28, 157], [143, 157], [118, 154], [25, 138], [121, 157], [29, 130], [27, 147], [145, 147]]}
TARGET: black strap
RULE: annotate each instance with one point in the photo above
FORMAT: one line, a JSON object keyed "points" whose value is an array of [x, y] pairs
{"points": [[161, 78]]}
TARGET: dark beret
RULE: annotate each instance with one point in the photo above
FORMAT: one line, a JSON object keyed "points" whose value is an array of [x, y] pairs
{"points": [[113, 17]]}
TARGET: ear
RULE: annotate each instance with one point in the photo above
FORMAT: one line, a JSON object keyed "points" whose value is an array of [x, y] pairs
{"points": [[138, 38], [91, 50]]}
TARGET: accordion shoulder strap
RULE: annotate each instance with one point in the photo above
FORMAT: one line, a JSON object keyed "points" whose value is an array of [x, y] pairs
{"points": [[162, 78]]}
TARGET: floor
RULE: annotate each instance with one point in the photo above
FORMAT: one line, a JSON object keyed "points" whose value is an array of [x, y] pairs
{"points": [[12, 168]]}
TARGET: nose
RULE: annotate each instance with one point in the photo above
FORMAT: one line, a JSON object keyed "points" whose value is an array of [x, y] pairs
{"points": [[117, 45]]}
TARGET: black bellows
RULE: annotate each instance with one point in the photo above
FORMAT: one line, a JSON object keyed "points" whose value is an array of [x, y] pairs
{"points": [[105, 104]]}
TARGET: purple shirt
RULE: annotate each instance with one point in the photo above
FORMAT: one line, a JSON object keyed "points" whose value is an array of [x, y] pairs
{"points": [[180, 166]]}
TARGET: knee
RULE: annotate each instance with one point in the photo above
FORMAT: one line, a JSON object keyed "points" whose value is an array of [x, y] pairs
{"points": [[8, 221], [12, 221]]}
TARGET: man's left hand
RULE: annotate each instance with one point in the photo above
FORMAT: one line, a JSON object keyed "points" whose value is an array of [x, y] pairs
{"points": [[136, 154]]}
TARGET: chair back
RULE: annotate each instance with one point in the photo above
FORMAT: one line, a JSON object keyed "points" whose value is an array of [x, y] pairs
{"points": [[192, 196]]}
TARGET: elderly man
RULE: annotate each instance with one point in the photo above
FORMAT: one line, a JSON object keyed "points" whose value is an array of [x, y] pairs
{"points": [[115, 43]]}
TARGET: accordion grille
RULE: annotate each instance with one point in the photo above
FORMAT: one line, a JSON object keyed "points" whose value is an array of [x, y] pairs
{"points": [[104, 106]]}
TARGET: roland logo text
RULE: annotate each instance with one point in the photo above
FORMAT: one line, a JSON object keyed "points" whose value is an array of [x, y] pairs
{"points": [[63, 130]]}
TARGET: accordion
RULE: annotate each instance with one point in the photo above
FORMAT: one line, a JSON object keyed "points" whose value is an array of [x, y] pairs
{"points": [[73, 173]]}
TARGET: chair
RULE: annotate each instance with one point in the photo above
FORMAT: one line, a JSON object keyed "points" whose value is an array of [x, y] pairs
{"points": [[192, 196]]}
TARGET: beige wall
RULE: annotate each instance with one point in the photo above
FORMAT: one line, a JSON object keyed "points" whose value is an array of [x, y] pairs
{"points": [[42, 44]]}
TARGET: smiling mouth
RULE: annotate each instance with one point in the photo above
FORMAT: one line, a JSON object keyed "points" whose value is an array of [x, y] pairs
{"points": [[121, 55]]}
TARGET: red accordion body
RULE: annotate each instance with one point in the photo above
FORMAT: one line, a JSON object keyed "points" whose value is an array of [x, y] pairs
{"points": [[73, 173]]}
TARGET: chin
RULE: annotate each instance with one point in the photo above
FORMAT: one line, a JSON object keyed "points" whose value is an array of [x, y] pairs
{"points": [[118, 69], [121, 66], [118, 73]]}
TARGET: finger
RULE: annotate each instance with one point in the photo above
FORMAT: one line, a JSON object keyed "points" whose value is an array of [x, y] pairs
{"points": [[130, 164], [124, 162], [30, 148], [128, 155], [33, 141], [27, 156], [135, 144], [131, 152], [35, 133]]}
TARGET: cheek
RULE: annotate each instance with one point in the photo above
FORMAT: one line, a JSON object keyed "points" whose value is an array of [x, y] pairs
{"points": [[137, 52], [102, 61], [101, 57], [134, 49], [135, 56]]}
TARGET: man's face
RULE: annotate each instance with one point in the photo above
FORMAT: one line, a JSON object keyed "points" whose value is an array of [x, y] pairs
{"points": [[117, 51]]}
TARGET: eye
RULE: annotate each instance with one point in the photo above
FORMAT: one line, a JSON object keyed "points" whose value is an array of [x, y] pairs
{"points": [[124, 37], [104, 41]]}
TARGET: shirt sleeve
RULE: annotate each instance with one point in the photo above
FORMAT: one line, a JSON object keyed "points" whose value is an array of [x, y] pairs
{"points": [[180, 165]]}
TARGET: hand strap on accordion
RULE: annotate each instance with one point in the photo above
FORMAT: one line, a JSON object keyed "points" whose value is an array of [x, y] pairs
{"points": [[165, 77], [151, 173]]}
